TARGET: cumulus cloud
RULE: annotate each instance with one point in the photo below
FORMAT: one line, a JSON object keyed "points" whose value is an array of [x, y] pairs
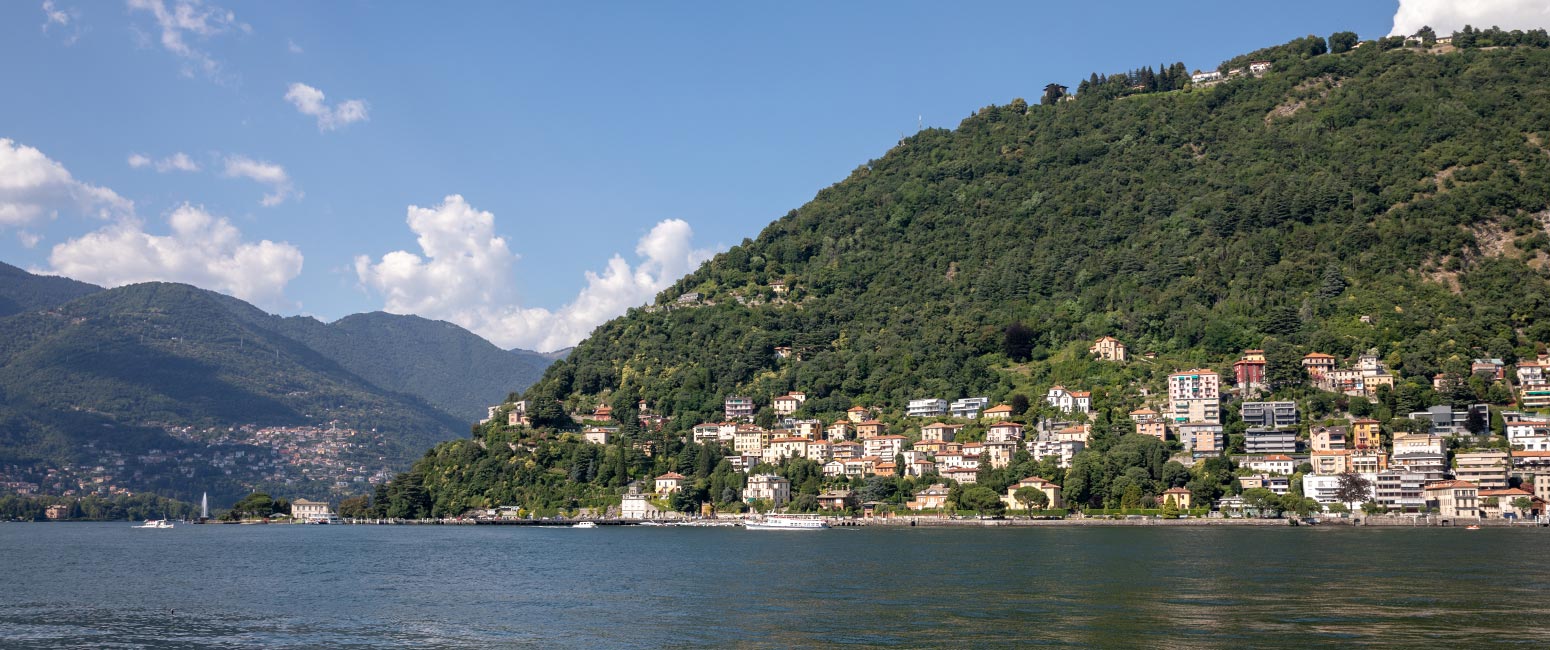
{"points": [[310, 101], [263, 172], [175, 162], [201, 249], [190, 18], [28, 239], [32, 186], [462, 274], [1448, 16]]}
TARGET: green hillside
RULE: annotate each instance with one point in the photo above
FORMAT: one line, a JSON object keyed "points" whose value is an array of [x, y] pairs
{"points": [[22, 291], [1402, 185], [1384, 197]]}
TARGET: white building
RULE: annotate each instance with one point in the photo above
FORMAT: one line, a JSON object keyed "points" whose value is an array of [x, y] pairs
{"points": [[1322, 488], [884, 447], [788, 403], [1004, 432], [1062, 450], [1281, 464], [1195, 396], [968, 407], [927, 407], [770, 487], [1203, 77], [305, 510], [1401, 490], [1070, 401], [637, 505], [738, 407]]}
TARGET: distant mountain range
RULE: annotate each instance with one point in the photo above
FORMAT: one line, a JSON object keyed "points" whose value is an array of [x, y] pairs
{"points": [[147, 374]]}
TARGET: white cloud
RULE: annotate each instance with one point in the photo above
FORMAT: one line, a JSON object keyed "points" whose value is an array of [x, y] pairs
{"points": [[1448, 16], [175, 162], [53, 15], [187, 18], [201, 250], [292, 47], [310, 101], [28, 239], [263, 172], [463, 275], [63, 20], [32, 186]]}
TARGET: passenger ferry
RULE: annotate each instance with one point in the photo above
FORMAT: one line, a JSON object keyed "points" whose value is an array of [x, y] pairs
{"points": [[155, 523], [787, 522]]}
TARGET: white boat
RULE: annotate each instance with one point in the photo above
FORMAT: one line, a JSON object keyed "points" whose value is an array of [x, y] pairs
{"points": [[585, 524], [786, 522], [155, 523]]}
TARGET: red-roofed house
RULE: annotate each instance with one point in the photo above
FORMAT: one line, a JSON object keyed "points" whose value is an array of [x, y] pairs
{"points": [[1457, 499], [998, 412], [870, 429], [670, 482], [1108, 348], [1004, 432], [1051, 493], [931, 498], [1150, 423], [1317, 364], [1068, 400], [789, 403], [940, 431], [1498, 504], [963, 475]]}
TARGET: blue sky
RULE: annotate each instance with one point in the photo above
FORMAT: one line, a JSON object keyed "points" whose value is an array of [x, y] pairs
{"points": [[599, 151]]}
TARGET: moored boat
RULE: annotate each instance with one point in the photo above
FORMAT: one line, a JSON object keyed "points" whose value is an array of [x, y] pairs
{"points": [[787, 522]]}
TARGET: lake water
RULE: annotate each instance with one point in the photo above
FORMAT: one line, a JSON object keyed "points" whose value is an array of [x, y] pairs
{"points": [[108, 585]]}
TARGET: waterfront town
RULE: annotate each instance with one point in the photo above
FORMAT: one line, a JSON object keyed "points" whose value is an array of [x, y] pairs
{"points": [[1452, 462], [327, 459]]}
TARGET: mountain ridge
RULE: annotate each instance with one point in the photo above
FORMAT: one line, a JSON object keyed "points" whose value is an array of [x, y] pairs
{"points": [[150, 360]]}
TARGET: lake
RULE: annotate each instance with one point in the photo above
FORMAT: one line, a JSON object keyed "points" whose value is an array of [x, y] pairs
{"points": [[109, 585]]}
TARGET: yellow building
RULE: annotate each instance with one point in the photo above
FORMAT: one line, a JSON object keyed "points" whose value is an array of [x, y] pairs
{"points": [[1365, 434], [1179, 497], [1051, 493]]}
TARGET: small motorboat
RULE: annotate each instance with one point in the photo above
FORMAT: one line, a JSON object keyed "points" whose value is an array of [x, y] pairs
{"points": [[1471, 527], [585, 524]]}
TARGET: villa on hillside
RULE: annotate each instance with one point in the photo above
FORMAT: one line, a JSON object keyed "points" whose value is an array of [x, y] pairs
{"points": [[998, 412], [1108, 348], [1070, 401]]}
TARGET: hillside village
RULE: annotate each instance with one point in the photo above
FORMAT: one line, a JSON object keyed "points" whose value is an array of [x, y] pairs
{"points": [[927, 336], [1457, 462]]}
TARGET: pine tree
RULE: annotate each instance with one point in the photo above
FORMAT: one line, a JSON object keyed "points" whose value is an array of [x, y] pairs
{"points": [[1333, 284]]}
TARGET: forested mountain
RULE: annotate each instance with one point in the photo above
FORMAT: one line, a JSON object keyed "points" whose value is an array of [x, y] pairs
{"points": [[164, 371], [22, 291], [1407, 186], [446, 365], [1383, 197]]}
